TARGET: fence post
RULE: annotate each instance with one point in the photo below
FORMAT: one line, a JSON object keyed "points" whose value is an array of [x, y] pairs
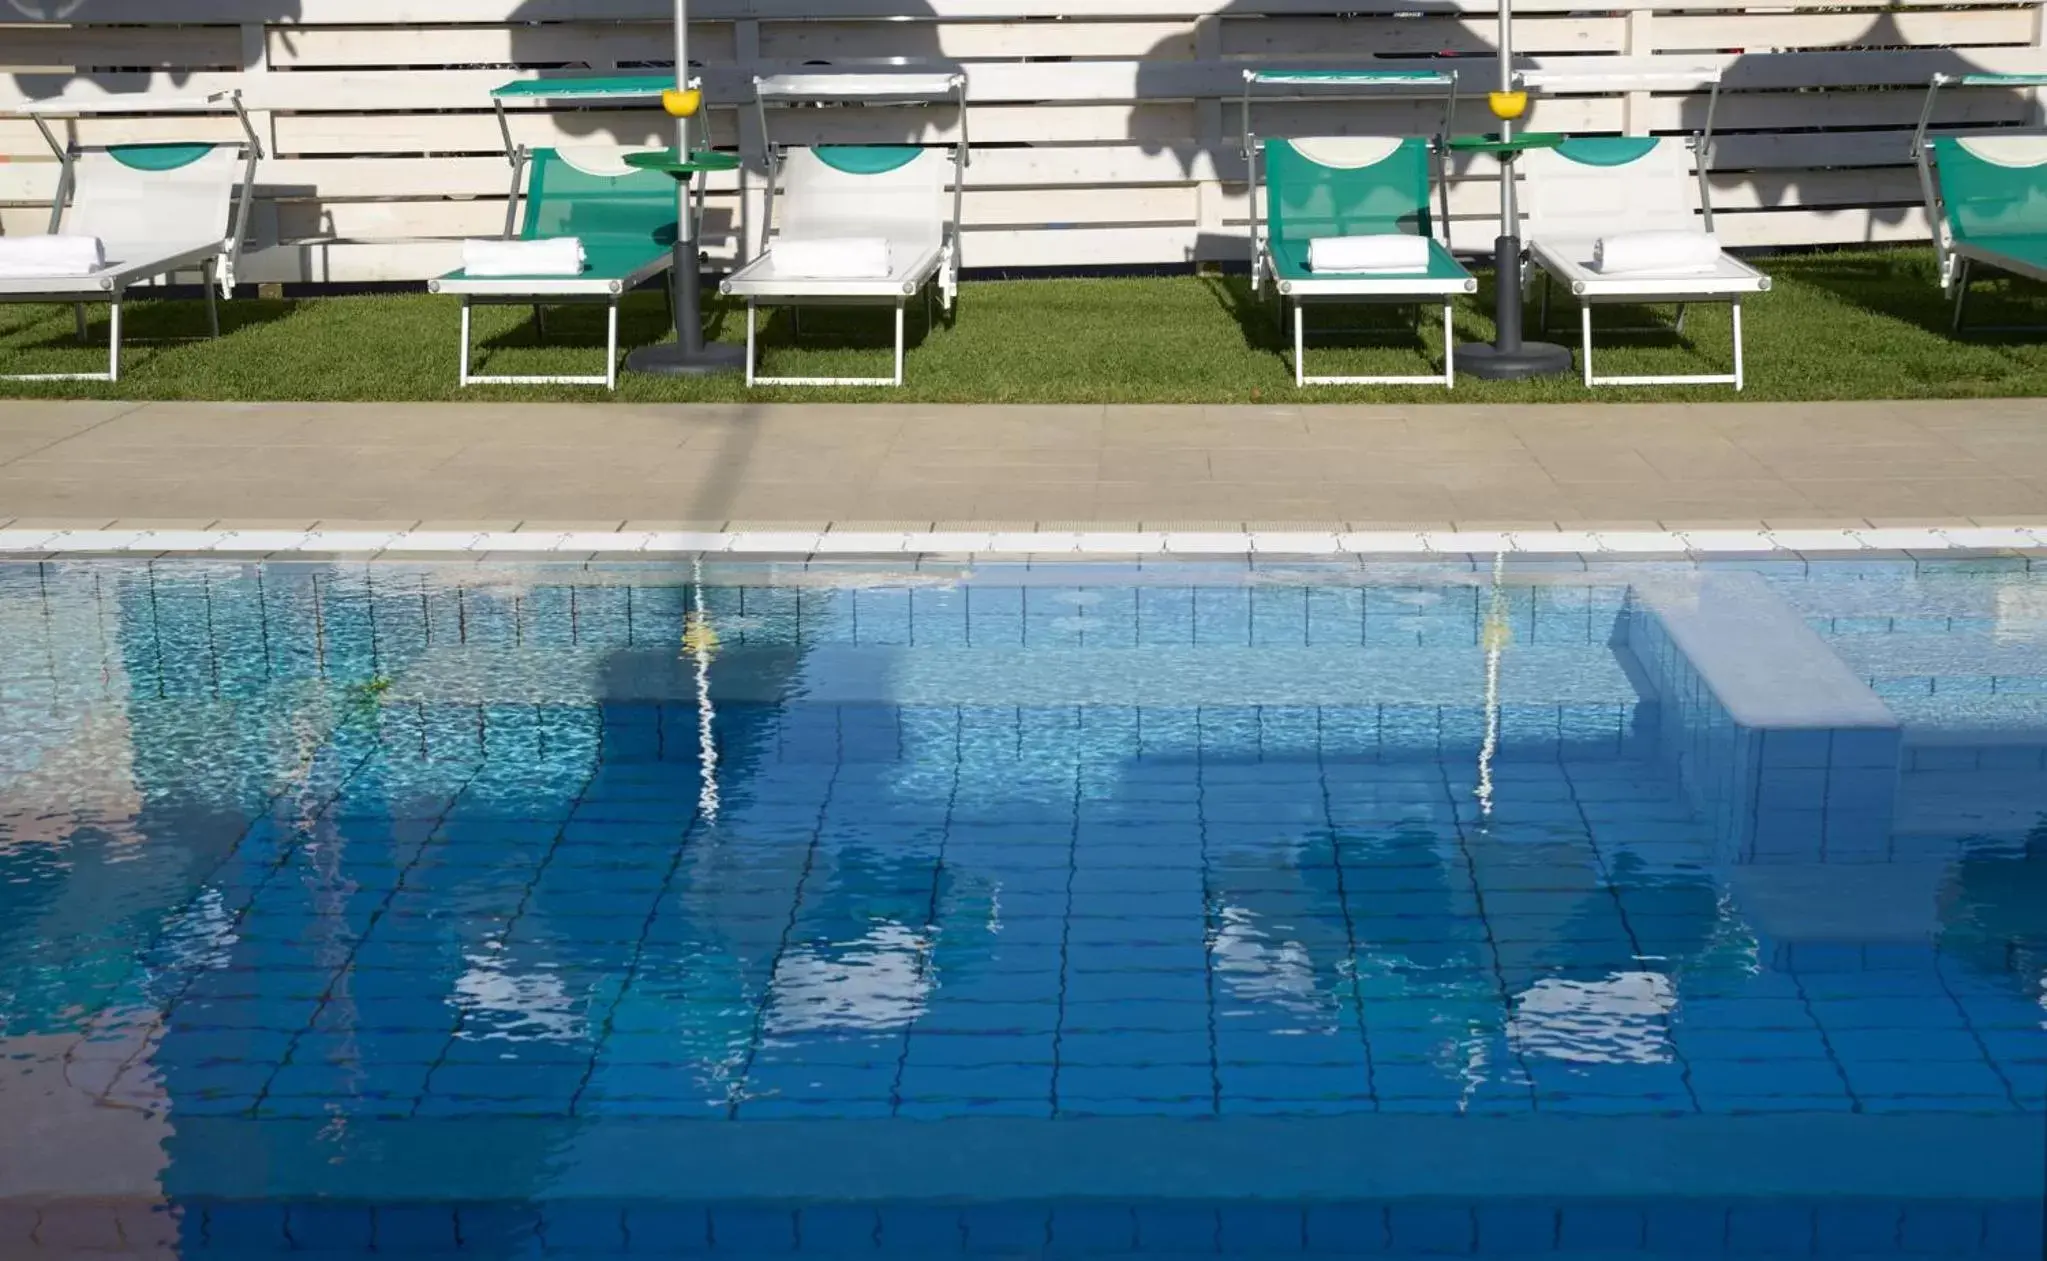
{"points": [[1635, 106], [751, 237], [1208, 126], [2039, 117], [263, 228]]}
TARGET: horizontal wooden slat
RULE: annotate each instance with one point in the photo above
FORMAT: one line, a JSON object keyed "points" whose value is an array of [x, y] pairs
{"points": [[167, 47], [429, 12], [971, 41], [1318, 39], [1761, 32], [1120, 80]]}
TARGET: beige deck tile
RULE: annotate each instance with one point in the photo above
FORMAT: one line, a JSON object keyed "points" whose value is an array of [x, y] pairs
{"points": [[60, 523], [474, 525], [395, 525], [878, 463]]}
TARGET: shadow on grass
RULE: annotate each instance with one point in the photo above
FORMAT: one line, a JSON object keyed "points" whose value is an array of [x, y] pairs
{"points": [[1551, 314], [847, 328], [1374, 325], [145, 322], [1906, 288]]}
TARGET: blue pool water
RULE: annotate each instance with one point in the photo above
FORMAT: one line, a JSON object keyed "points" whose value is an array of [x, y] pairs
{"points": [[560, 910]]}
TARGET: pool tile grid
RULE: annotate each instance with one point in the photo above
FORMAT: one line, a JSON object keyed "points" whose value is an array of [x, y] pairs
{"points": [[1725, 1051], [212, 1229]]}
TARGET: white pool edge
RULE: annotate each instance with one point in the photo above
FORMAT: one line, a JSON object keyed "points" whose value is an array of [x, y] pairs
{"points": [[999, 543]]}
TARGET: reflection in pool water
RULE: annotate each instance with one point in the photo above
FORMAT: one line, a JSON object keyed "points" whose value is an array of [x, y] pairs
{"points": [[439, 862]]}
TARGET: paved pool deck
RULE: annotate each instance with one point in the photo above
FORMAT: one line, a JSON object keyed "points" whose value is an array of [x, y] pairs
{"points": [[876, 464]]}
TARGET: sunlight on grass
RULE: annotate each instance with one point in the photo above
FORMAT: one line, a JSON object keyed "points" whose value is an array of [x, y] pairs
{"points": [[1865, 324]]}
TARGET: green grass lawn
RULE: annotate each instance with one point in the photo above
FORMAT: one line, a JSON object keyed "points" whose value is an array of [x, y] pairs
{"points": [[1862, 324]]}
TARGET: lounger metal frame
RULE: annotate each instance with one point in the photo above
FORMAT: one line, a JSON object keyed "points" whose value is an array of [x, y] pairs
{"points": [[866, 88], [215, 263], [1355, 290]]}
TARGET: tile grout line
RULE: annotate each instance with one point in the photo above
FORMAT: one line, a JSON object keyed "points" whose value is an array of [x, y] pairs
{"points": [[825, 542], [58, 442]]}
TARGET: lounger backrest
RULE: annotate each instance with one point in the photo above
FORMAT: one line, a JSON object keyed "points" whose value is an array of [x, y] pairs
{"points": [[1600, 185], [1992, 186], [170, 193], [896, 192], [590, 193], [1346, 186]]}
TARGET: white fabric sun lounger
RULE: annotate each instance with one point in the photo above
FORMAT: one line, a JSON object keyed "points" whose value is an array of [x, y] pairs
{"points": [[843, 193], [160, 209], [1600, 186]]}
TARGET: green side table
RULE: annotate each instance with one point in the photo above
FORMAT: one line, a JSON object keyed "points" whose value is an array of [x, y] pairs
{"points": [[688, 355], [1512, 144], [1507, 356]]}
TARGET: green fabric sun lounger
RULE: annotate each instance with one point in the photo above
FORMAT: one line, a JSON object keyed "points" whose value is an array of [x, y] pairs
{"points": [[1985, 191], [1341, 186], [625, 219]]}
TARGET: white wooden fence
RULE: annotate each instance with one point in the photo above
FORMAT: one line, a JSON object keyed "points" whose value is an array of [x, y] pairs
{"points": [[1104, 136]]}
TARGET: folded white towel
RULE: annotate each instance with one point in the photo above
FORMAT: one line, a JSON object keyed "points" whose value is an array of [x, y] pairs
{"points": [[831, 258], [25, 256], [1668, 252], [555, 256], [1380, 252]]}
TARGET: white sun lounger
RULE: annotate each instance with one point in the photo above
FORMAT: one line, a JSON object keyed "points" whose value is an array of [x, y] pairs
{"points": [[894, 193], [1597, 186], [159, 208]]}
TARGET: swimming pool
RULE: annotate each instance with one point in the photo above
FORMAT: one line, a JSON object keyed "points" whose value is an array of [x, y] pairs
{"points": [[1405, 909]]}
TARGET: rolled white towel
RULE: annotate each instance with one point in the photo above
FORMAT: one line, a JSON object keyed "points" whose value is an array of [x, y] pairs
{"points": [[1667, 252], [554, 256], [1390, 252], [26, 256], [831, 258]]}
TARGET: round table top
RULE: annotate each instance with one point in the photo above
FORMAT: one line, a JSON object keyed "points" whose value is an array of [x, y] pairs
{"points": [[1493, 144], [696, 162]]}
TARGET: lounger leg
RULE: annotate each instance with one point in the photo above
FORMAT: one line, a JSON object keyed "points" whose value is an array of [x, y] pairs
{"points": [[749, 342], [1961, 295], [1300, 349], [1681, 318], [899, 341], [212, 300], [114, 340], [462, 364], [78, 318], [539, 322], [1449, 351], [1542, 308], [611, 346], [1585, 323], [1737, 348]]}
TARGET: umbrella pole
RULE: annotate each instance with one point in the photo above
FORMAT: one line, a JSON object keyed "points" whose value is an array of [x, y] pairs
{"points": [[1507, 356], [687, 355]]}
